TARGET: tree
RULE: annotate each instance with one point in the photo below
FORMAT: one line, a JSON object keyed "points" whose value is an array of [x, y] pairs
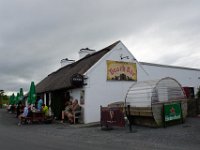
{"points": [[4, 99], [1, 92]]}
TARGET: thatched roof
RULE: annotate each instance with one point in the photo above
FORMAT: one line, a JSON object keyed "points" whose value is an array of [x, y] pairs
{"points": [[60, 79]]}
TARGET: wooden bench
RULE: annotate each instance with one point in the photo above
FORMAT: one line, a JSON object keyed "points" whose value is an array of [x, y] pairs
{"points": [[77, 115], [30, 120], [38, 116]]}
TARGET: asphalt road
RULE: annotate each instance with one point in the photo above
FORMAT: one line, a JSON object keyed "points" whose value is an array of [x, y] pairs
{"points": [[72, 137]]}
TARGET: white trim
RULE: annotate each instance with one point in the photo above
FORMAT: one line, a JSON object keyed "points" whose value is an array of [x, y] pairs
{"points": [[168, 66]]}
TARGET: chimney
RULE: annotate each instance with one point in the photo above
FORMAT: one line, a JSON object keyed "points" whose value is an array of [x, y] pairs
{"points": [[66, 61], [85, 51]]}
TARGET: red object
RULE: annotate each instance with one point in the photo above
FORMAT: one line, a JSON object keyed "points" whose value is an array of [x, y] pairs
{"points": [[189, 92], [112, 117]]}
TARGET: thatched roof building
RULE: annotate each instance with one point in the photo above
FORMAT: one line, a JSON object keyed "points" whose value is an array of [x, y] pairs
{"points": [[60, 79]]}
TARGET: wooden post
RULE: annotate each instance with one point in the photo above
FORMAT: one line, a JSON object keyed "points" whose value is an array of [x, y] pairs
{"points": [[129, 118], [45, 99], [50, 111], [181, 112], [163, 116]]}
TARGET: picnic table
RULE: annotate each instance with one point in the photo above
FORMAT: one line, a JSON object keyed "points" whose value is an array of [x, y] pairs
{"points": [[37, 116]]}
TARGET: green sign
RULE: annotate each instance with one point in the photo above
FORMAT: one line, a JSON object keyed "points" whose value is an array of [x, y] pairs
{"points": [[172, 111]]}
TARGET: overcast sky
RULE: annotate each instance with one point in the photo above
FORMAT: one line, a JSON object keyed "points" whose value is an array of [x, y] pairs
{"points": [[36, 34]]}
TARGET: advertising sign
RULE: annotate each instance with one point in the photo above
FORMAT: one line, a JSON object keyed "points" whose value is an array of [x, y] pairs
{"points": [[117, 70], [172, 111]]}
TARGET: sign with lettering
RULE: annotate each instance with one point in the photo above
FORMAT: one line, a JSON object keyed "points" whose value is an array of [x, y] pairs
{"points": [[77, 80], [172, 111], [117, 70]]}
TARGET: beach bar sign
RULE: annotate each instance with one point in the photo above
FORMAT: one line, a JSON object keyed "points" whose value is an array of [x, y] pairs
{"points": [[117, 70]]}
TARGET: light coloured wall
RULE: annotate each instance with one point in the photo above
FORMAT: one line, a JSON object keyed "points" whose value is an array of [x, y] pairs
{"points": [[75, 93], [99, 91], [186, 77]]}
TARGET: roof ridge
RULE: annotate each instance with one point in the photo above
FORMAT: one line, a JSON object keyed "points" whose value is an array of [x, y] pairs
{"points": [[87, 56], [60, 78]]}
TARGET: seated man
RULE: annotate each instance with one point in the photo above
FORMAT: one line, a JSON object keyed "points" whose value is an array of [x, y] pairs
{"points": [[9, 108], [24, 114], [69, 111], [19, 109]]}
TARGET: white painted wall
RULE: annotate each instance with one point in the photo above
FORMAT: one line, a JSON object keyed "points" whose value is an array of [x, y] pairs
{"points": [[75, 93], [99, 91], [186, 77]]}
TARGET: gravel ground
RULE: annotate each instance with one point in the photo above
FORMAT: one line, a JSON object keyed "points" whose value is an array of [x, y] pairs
{"points": [[58, 136]]}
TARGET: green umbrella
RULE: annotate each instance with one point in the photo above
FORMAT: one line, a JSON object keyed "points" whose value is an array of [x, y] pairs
{"points": [[32, 94], [12, 99], [21, 94], [17, 99]]}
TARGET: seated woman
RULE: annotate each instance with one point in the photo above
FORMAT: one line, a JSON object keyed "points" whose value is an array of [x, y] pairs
{"points": [[69, 111], [45, 110], [68, 106]]}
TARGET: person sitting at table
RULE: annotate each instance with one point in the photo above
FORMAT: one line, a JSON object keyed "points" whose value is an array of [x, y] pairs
{"points": [[68, 106], [24, 114], [19, 109], [70, 111], [45, 110], [39, 104]]}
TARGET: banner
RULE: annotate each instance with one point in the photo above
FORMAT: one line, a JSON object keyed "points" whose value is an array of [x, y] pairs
{"points": [[172, 111], [117, 70]]}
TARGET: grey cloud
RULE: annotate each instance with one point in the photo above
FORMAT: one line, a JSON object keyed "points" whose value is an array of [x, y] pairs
{"points": [[35, 35]]}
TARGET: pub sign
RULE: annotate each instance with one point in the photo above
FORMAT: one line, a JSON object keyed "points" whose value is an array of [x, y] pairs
{"points": [[77, 80], [118, 70]]}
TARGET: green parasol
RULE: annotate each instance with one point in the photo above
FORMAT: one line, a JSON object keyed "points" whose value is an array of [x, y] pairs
{"points": [[21, 94], [32, 94], [17, 99]]}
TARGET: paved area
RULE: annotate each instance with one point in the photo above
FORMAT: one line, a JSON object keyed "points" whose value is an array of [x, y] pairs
{"points": [[71, 137]]}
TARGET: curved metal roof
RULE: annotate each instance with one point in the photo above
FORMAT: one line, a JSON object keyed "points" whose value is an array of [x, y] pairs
{"points": [[144, 93]]}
